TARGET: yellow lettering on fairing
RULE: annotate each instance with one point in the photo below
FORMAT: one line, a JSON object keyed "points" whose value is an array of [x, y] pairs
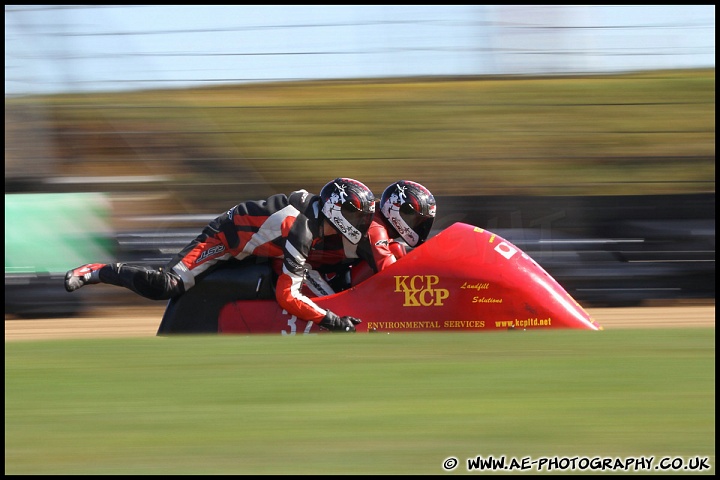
{"points": [[419, 290]]}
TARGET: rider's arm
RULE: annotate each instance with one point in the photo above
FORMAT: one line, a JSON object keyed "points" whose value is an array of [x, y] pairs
{"points": [[398, 249], [294, 302], [377, 252], [288, 289], [383, 251]]}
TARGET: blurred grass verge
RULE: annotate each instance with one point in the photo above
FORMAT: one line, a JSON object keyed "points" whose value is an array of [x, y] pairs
{"points": [[204, 149], [371, 404]]}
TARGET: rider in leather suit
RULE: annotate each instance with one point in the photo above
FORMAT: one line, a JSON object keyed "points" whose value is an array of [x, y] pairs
{"points": [[286, 229]]}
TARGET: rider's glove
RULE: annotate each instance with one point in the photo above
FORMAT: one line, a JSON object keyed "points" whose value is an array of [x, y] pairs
{"points": [[339, 324]]}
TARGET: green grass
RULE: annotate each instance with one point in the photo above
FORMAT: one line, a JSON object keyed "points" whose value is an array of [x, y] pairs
{"points": [[360, 404]]}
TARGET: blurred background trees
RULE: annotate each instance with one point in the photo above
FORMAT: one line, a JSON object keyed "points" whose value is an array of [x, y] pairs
{"points": [[204, 149]]}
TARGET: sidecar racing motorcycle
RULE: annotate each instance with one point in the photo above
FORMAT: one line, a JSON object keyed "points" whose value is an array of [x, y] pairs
{"points": [[465, 278]]}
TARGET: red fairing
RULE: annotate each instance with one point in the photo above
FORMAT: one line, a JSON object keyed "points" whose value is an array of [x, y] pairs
{"points": [[464, 278], [262, 316]]}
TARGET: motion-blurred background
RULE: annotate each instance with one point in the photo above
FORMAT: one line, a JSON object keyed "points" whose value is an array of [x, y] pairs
{"points": [[583, 134]]}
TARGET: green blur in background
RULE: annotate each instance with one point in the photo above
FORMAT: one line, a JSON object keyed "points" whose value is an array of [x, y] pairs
{"points": [[77, 232], [355, 404], [205, 149]]}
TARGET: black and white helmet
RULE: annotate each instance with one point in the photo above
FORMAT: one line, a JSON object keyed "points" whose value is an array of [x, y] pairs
{"points": [[410, 209], [349, 206]]}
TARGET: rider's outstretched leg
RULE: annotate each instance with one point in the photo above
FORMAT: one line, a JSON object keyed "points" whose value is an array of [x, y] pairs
{"points": [[152, 283]]}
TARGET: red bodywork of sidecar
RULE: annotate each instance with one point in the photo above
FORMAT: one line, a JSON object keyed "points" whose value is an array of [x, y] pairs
{"points": [[464, 278]]}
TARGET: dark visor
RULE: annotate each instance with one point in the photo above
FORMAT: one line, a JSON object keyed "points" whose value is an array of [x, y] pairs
{"points": [[421, 224], [358, 219]]}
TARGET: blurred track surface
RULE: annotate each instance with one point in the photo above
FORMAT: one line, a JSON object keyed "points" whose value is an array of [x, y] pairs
{"points": [[141, 322]]}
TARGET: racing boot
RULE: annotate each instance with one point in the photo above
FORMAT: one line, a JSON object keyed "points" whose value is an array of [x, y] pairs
{"points": [[87, 274]]}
